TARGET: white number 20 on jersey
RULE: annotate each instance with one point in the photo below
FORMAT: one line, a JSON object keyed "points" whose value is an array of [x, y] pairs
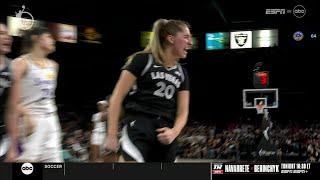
{"points": [[164, 90]]}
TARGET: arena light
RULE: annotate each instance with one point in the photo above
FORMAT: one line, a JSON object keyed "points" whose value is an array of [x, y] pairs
{"points": [[265, 38], [90, 35], [145, 37], [64, 32]]}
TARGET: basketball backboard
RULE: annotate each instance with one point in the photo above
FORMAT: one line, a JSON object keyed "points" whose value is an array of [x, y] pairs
{"points": [[252, 97]]}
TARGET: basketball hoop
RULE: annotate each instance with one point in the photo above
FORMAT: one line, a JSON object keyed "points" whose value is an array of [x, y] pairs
{"points": [[260, 108]]}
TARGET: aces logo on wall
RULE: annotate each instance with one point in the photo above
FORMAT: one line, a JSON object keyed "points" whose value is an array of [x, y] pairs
{"points": [[241, 39]]}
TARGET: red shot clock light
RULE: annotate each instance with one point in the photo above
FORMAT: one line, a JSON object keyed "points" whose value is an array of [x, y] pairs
{"points": [[261, 79]]}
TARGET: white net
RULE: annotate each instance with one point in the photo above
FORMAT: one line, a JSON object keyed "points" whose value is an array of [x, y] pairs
{"points": [[260, 108]]}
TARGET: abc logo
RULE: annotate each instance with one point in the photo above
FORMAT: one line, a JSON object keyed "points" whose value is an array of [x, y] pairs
{"points": [[27, 168], [299, 11]]}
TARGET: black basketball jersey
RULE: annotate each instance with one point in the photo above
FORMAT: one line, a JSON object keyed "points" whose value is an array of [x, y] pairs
{"points": [[156, 88], [5, 83]]}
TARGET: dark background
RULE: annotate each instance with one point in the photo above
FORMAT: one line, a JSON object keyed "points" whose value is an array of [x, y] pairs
{"points": [[88, 72]]}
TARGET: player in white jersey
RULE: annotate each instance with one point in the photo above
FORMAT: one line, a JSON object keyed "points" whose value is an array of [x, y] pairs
{"points": [[36, 79], [98, 134]]}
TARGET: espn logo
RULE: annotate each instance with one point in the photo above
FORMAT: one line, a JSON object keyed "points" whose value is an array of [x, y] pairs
{"points": [[275, 11], [217, 169]]}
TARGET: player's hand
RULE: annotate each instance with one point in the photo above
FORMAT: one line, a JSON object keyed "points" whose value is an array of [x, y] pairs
{"points": [[29, 124], [11, 154], [166, 135], [112, 143]]}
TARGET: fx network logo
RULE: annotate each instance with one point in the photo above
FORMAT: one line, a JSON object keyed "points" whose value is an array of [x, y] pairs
{"points": [[27, 168], [217, 168]]}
